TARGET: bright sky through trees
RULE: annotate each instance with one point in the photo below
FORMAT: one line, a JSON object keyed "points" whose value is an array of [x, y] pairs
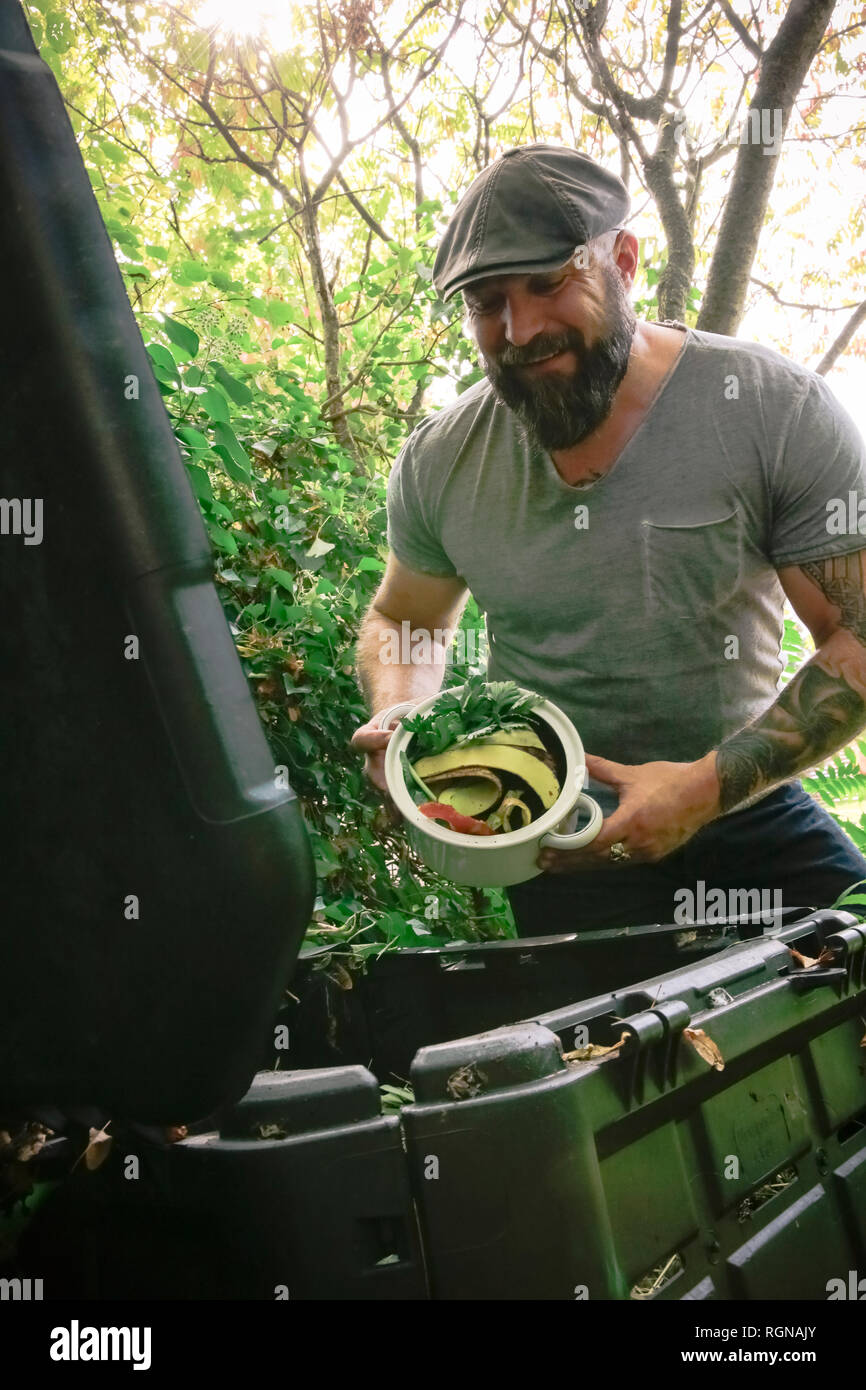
{"points": [[813, 195], [272, 20], [378, 97]]}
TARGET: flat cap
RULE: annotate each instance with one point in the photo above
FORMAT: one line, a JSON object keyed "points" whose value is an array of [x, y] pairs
{"points": [[527, 212]]}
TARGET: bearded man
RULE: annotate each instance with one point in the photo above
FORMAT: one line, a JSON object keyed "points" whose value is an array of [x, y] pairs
{"points": [[629, 504]]}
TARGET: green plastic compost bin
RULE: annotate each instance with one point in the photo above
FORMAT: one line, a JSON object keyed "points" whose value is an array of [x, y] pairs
{"points": [[412, 998], [591, 1152]]}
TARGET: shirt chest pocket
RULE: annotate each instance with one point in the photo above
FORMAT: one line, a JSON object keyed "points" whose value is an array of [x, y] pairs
{"points": [[692, 570]]}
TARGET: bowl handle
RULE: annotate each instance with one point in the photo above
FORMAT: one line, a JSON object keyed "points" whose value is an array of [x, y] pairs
{"points": [[395, 712], [580, 837]]}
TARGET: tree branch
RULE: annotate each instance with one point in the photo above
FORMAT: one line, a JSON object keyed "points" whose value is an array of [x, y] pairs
{"points": [[363, 212], [841, 341], [790, 304], [740, 29]]}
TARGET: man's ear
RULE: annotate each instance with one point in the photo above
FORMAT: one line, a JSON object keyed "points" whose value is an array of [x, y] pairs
{"points": [[625, 256]]}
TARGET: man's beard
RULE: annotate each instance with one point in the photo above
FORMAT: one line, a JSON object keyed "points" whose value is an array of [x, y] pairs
{"points": [[560, 409]]}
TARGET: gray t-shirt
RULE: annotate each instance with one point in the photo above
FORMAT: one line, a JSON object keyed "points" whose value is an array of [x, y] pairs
{"points": [[646, 605]]}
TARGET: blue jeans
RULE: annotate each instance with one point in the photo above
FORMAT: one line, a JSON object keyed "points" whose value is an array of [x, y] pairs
{"points": [[786, 842]]}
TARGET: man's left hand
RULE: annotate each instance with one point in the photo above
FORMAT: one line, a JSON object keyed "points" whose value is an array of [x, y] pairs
{"points": [[661, 806]]}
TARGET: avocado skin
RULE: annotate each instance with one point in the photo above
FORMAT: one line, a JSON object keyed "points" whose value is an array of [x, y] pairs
{"points": [[526, 766], [470, 790], [471, 798], [516, 738]]}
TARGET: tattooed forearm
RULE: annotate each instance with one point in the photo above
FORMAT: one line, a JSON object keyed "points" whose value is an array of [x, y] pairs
{"points": [[821, 710], [814, 715]]}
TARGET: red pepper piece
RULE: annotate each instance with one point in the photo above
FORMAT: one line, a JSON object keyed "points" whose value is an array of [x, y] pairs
{"points": [[464, 825]]}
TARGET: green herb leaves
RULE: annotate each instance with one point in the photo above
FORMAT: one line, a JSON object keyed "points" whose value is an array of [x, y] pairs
{"points": [[481, 708]]}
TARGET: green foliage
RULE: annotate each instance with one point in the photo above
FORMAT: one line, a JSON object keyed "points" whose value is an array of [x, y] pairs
{"points": [[854, 899], [393, 1098], [841, 786], [300, 541], [479, 709]]}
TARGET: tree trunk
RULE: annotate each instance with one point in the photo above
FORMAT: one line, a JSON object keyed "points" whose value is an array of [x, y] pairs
{"points": [[676, 278], [330, 323], [783, 71]]}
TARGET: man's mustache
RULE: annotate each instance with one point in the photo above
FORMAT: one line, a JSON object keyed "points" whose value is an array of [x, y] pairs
{"points": [[545, 345]]}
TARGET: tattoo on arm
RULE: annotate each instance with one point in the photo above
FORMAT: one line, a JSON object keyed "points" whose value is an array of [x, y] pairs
{"points": [[820, 710], [843, 582]]}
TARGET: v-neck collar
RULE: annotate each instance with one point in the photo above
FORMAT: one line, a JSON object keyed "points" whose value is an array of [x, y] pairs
{"points": [[551, 467]]}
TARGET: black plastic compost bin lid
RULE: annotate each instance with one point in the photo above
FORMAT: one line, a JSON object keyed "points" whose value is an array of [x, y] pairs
{"points": [[156, 878]]}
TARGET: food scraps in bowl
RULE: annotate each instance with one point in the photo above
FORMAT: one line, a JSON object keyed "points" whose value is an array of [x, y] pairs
{"points": [[478, 767]]}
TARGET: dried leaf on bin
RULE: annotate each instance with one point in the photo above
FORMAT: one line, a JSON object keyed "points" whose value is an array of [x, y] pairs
{"points": [[705, 1047], [810, 962], [466, 1082], [590, 1051], [31, 1141], [98, 1149], [271, 1131]]}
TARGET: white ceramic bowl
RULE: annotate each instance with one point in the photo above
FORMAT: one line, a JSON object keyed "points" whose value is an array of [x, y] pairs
{"points": [[494, 861]]}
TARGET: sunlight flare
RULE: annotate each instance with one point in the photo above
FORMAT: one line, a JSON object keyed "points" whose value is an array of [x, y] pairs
{"points": [[271, 20]]}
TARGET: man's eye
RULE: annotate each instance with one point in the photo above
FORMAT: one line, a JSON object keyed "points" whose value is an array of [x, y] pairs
{"points": [[483, 306], [551, 286]]}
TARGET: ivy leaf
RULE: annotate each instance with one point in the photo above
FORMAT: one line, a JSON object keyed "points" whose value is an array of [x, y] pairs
{"points": [[216, 405], [222, 539], [190, 271], [266, 447], [279, 313], [162, 358], [239, 392], [319, 547], [232, 453], [201, 483], [193, 438], [281, 577], [179, 334]]}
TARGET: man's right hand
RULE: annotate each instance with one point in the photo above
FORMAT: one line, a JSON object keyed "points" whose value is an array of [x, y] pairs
{"points": [[372, 741]]}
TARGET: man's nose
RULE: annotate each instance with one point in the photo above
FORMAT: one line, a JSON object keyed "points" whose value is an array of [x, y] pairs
{"points": [[523, 317]]}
